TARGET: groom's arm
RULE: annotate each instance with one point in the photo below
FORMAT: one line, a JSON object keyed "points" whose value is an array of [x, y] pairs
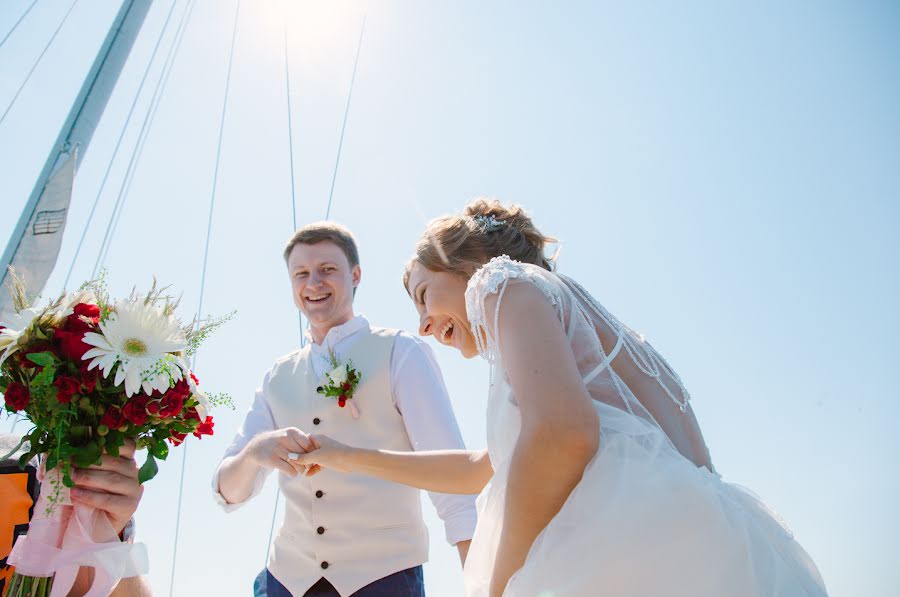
{"points": [[238, 478], [257, 448], [421, 397]]}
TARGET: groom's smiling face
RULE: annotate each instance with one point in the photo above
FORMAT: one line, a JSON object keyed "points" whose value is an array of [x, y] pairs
{"points": [[323, 281]]}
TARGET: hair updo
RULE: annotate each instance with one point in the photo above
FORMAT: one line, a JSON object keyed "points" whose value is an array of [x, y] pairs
{"points": [[460, 244]]}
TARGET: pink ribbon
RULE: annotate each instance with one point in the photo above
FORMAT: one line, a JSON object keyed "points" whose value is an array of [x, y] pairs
{"points": [[71, 536]]}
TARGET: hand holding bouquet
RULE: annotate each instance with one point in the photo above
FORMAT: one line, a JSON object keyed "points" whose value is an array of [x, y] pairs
{"points": [[89, 374]]}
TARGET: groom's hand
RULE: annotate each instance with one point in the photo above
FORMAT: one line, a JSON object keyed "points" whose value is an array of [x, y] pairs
{"points": [[276, 449]]}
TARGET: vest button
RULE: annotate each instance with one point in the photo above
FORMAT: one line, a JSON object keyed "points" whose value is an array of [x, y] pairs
{"points": [[316, 421], [321, 530], [320, 493], [324, 565]]}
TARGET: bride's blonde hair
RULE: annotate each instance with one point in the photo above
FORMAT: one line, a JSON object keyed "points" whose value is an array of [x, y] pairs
{"points": [[460, 244]]}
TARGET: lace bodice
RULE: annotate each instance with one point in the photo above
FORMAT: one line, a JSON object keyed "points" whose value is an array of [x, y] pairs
{"points": [[598, 341]]}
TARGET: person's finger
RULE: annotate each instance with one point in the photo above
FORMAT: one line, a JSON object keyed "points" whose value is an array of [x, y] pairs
{"points": [[108, 481], [123, 466], [291, 459], [300, 468], [312, 470], [285, 468], [128, 449], [306, 460], [119, 506], [300, 438]]}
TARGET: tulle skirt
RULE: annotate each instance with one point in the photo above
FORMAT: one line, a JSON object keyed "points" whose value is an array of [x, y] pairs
{"points": [[645, 521]]}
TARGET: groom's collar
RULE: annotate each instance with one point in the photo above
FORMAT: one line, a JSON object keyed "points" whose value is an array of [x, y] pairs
{"points": [[339, 332]]}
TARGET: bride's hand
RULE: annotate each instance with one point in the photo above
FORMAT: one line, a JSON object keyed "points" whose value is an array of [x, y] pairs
{"points": [[326, 453]]}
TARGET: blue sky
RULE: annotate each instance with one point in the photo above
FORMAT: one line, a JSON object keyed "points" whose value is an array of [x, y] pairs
{"points": [[723, 177]]}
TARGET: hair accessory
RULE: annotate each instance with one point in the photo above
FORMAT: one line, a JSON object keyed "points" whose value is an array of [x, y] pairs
{"points": [[490, 223]]}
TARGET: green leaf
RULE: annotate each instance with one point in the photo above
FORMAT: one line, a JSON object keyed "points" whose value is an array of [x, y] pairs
{"points": [[148, 470], [114, 441], [51, 461], [87, 455], [45, 377], [159, 449], [44, 359]]}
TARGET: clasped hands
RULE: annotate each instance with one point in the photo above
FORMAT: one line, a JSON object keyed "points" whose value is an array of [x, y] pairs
{"points": [[294, 452]]}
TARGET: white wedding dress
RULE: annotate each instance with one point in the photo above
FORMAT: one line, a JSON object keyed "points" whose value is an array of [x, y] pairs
{"points": [[644, 520]]}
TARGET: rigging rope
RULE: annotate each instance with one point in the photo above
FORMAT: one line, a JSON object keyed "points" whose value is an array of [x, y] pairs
{"points": [[337, 161], [287, 87], [212, 204], [143, 134], [293, 198], [16, 24], [38, 61]]}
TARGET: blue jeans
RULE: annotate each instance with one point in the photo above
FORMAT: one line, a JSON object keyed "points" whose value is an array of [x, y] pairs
{"points": [[406, 583]]}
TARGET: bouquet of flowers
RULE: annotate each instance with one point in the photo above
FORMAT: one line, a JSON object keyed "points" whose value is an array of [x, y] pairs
{"points": [[90, 373]]}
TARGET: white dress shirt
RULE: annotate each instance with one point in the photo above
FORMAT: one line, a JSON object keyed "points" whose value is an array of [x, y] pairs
{"points": [[420, 396]]}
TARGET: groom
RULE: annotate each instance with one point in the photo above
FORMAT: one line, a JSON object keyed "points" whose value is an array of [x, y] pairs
{"points": [[344, 534]]}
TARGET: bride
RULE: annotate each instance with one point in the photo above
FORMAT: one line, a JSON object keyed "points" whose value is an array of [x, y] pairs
{"points": [[596, 480]]}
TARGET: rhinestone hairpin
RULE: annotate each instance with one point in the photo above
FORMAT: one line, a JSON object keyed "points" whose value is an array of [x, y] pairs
{"points": [[490, 223]]}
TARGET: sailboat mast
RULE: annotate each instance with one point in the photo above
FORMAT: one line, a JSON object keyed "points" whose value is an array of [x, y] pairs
{"points": [[34, 244]]}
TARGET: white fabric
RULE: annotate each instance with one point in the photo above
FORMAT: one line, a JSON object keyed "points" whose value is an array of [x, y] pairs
{"points": [[351, 529], [644, 520], [418, 391]]}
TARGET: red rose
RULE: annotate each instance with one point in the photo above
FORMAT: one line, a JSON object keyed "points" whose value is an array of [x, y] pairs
{"points": [[88, 311], [177, 438], [342, 401], [71, 344], [171, 405], [154, 406], [17, 396], [113, 418], [89, 378], [346, 387], [204, 428], [66, 387], [136, 410], [181, 390]]}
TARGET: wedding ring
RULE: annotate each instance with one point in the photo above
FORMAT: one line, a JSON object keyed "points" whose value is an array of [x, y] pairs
{"points": [[293, 456]]}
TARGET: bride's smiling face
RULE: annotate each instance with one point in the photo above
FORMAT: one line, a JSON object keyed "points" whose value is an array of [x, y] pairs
{"points": [[440, 299]]}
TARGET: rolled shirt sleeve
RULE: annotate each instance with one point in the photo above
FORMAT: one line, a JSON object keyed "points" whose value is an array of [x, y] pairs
{"points": [[421, 397], [259, 419]]}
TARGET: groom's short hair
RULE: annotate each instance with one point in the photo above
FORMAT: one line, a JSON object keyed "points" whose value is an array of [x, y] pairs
{"points": [[317, 232]]}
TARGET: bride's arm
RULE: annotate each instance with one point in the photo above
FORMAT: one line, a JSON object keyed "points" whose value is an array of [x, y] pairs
{"points": [[560, 430], [444, 471]]}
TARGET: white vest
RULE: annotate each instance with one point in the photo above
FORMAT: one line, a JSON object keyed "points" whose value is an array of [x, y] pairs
{"points": [[349, 528]]}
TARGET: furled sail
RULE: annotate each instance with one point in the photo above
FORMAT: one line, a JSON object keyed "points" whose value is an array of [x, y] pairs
{"points": [[34, 250]]}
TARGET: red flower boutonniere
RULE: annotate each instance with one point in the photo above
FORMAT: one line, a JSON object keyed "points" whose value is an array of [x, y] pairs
{"points": [[340, 383]]}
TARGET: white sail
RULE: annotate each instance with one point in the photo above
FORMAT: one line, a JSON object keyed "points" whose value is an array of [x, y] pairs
{"points": [[38, 246]]}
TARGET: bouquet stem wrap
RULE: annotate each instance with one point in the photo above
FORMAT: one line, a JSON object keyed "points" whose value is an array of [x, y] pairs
{"points": [[63, 536]]}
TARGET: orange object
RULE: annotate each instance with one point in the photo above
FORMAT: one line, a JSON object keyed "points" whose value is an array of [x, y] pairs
{"points": [[16, 507]]}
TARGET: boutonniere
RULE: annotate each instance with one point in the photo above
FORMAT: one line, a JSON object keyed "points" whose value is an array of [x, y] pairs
{"points": [[340, 383]]}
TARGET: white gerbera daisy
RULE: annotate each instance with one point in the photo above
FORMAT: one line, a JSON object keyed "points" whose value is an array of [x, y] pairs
{"points": [[140, 338], [15, 325]]}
